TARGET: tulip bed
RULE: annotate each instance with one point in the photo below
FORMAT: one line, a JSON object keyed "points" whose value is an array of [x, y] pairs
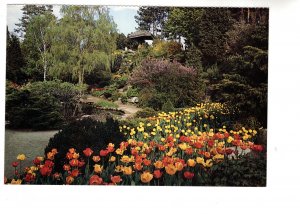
{"points": [[181, 148]]}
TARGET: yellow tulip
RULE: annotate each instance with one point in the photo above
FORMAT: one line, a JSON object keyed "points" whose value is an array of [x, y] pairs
{"points": [[112, 159], [125, 159], [21, 157], [98, 168], [200, 160], [18, 181]]}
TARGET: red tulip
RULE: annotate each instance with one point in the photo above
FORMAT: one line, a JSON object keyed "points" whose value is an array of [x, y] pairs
{"points": [[49, 163], [73, 162], [75, 173], [15, 164], [157, 173], [45, 170], [88, 152], [188, 175], [103, 153]]}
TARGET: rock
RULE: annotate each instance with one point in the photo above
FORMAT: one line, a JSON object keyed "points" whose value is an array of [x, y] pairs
{"points": [[133, 100]]}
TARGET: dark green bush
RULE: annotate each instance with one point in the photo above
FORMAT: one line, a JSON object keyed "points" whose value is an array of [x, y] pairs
{"points": [[168, 107], [41, 105], [31, 111], [145, 113], [82, 134], [248, 171]]}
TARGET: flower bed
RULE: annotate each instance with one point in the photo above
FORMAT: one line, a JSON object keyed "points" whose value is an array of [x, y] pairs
{"points": [[179, 148]]}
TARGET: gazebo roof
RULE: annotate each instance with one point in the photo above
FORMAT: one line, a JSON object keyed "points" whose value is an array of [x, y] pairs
{"points": [[141, 34]]}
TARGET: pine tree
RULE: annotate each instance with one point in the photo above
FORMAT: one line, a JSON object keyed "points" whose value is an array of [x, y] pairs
{"points": [[14, 59]]}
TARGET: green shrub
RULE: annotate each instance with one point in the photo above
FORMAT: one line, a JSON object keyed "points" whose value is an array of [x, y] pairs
{"points": [[106, 104], [145, 113], [82, 134], [115, 96], [124, 99], [247, 171], [168, 107], [132, 92]]}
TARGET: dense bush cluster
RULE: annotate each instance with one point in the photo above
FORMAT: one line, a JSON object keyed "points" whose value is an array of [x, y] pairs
{"points": [[41, 105], [162, 80]]}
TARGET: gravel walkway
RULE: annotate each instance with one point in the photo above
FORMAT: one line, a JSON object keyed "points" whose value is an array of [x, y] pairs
{"points": [[30, 143]]}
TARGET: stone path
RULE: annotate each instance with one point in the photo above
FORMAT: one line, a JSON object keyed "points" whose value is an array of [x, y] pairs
{"points": [[129, 109]]}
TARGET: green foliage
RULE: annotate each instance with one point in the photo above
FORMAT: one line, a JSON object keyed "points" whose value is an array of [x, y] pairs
{"points": [[132, 92], [82, 42], [106, 104], [145, 113], [30, 11], [120, 81], [244, 84], [41, 105], [82, 134], [14, 60], [166, 49], [247, 171], [31, 111], [152, 18], [36, 44], [168, 107]]}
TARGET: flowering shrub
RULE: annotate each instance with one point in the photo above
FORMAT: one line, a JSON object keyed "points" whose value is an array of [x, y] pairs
{"points": [[182, 153]]}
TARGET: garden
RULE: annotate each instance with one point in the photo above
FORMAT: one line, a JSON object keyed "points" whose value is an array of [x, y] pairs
{"points": [[187, 109]]}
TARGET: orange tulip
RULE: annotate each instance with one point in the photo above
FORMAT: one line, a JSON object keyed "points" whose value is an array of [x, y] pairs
{"points": [[159, 164], [96, 158], [69, 179], [179, 166], [207, 154], [115, 179], [95, 180], [75, 173], [127, 170], [73, 162], [138, 166], [147, 162], [170, 169], [191, 162], [146, 177]]}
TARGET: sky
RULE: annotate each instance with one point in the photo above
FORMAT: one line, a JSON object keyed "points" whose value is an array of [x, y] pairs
{"points": [[123, 16]]}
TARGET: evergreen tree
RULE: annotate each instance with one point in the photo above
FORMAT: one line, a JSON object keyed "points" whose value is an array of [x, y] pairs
{"points": [[14, 59], [30, 11], [152, 19]]}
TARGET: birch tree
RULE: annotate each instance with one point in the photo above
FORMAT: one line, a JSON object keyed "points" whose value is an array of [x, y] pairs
{"points": [[38, 39]]}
